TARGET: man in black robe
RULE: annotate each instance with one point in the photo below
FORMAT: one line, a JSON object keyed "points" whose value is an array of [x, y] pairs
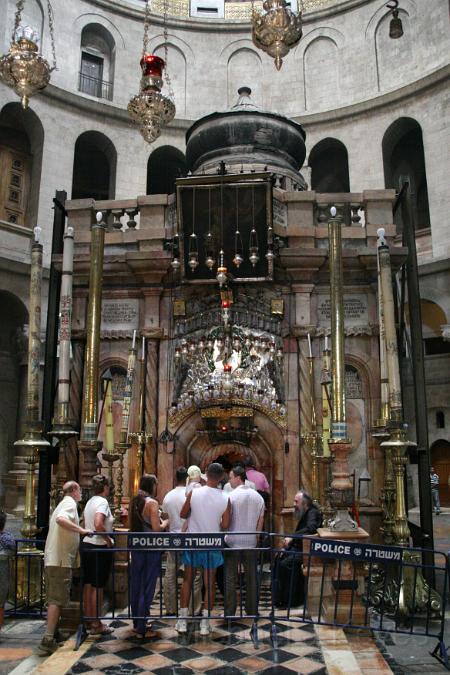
{"points": [[288, 581]]}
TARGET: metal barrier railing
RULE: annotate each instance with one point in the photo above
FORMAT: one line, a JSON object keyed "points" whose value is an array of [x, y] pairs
{"points": [[318, 581]]}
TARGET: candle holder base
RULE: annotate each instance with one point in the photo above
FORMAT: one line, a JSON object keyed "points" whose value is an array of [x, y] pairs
{"points": [[121, 449]]}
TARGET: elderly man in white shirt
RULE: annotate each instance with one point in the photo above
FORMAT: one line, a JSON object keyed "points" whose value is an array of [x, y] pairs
{"points": [[247, 515]]}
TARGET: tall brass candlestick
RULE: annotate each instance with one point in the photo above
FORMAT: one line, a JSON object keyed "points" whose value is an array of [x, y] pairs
{"points": [[398, 442], [380, 432], [341, 492], [62, 426], [33, 441], [123, 445], [141, 437], [90, 389]]}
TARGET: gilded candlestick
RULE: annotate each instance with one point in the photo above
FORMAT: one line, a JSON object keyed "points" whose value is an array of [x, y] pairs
{"points": [[33, 440], [341, 489], [89, 429]]}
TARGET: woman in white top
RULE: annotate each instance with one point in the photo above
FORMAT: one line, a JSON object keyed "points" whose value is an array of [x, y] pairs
{"points": [[96, 561]]}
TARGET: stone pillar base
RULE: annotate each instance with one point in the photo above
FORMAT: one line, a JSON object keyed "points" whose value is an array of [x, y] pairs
{"points": [[331, 586]]}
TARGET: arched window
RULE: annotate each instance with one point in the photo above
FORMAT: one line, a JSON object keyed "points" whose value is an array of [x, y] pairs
{"points": [[94, 167], [403, 157], [440, 419], [329, 166], [21, 143], [97, 62], [164, 166]]}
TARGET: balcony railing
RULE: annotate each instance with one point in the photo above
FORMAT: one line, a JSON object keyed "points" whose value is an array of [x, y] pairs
{"points": [[95, 87]]}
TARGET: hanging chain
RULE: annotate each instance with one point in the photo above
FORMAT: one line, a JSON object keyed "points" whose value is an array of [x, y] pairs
{"points": [[166, 52], [51, 18], [18, 17], [146, 26]]}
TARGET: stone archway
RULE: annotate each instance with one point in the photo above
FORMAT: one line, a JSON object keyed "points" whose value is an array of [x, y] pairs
{"points": [[266, 448]]}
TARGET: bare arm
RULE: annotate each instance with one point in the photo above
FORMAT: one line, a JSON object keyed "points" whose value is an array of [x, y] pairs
{"points": [[67, 524], [151, 511], [186, 506], [226, 517]]}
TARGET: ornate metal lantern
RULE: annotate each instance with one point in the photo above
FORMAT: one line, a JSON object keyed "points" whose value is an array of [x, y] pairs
{"points": [[151, 109], [276, 30], [23, 68]]}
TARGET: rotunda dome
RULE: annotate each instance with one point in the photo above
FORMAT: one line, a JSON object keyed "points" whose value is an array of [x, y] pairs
{"points": [[247, 138]]}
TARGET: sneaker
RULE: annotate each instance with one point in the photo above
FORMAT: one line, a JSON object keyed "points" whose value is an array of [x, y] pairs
{"points": [[47, 646], [62, 635], [181, 626], [205, 628]]}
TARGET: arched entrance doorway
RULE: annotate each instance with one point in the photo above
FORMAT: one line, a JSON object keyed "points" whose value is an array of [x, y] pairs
{"points": [[440, 460]]}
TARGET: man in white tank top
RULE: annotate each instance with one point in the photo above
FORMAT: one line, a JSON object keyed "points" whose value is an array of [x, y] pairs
{"points": [[208, 510]]}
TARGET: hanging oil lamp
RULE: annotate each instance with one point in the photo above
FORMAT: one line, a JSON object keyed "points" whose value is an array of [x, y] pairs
{"points": [[238, 246], [193, 243], [221, 275], [150, 109], [23, 68], [276, 29], [209, 242]]}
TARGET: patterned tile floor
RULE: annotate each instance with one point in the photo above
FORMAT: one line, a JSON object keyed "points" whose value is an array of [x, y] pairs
{"points": [[228, 650]]}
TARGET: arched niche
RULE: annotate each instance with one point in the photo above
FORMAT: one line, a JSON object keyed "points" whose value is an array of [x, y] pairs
{"points": [[21, 146], [395, 59], [244, 68], [164, 166], [13, 373], [321, 74], [266, 449], [328, 160], [403, 156], [176, 69], [97, 60], [94, 167]]}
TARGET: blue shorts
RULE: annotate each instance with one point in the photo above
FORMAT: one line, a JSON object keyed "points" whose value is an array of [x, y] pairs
{"points": [[209, 560]]}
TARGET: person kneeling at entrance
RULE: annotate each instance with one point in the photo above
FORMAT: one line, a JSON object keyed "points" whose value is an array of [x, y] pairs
{"points": [[96, 560], [288, 582], [208, 510]]}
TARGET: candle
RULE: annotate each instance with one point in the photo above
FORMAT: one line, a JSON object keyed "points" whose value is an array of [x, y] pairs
{"points": [[134, 340], [143, 347], [326, 343], [309, 346], [109, 425]]}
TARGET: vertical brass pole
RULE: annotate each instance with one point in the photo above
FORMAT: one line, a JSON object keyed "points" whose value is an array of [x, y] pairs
{"points": [[313, 436], [33, 440], [341, 492], [338, 417], [90, 388]]}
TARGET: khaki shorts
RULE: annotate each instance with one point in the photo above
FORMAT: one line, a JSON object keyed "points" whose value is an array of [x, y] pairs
{"points": [[58, 581]]}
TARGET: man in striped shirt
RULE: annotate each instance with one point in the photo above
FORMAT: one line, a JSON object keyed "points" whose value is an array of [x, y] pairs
{"points": [[247, 515], [434, 482]]}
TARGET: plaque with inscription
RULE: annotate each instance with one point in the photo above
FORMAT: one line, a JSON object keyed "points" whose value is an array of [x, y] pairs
{"points": [[355, 310], [279, 213], [120, 314]]}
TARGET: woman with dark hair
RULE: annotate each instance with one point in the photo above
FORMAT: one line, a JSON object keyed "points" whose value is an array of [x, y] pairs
{"points": [[145, 565], [96, 561]]}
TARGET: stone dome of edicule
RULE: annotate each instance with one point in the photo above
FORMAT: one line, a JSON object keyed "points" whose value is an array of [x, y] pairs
{"points": [[246, 139]]}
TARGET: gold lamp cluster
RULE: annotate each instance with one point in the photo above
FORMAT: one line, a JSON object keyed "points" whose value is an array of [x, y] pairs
{"points": [[276, 30], [23, 68], [151, 109]]}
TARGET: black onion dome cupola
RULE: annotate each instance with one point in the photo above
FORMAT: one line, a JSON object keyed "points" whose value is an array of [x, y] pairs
{"points": [[247, 138]]}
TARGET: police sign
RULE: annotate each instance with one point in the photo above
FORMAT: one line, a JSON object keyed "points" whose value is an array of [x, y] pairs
{"points": [[355, 551], [175, 540]]}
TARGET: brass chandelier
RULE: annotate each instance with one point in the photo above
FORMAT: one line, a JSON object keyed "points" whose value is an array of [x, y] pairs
{"points": [[276, 29], [150, 109], [23, 68]]}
